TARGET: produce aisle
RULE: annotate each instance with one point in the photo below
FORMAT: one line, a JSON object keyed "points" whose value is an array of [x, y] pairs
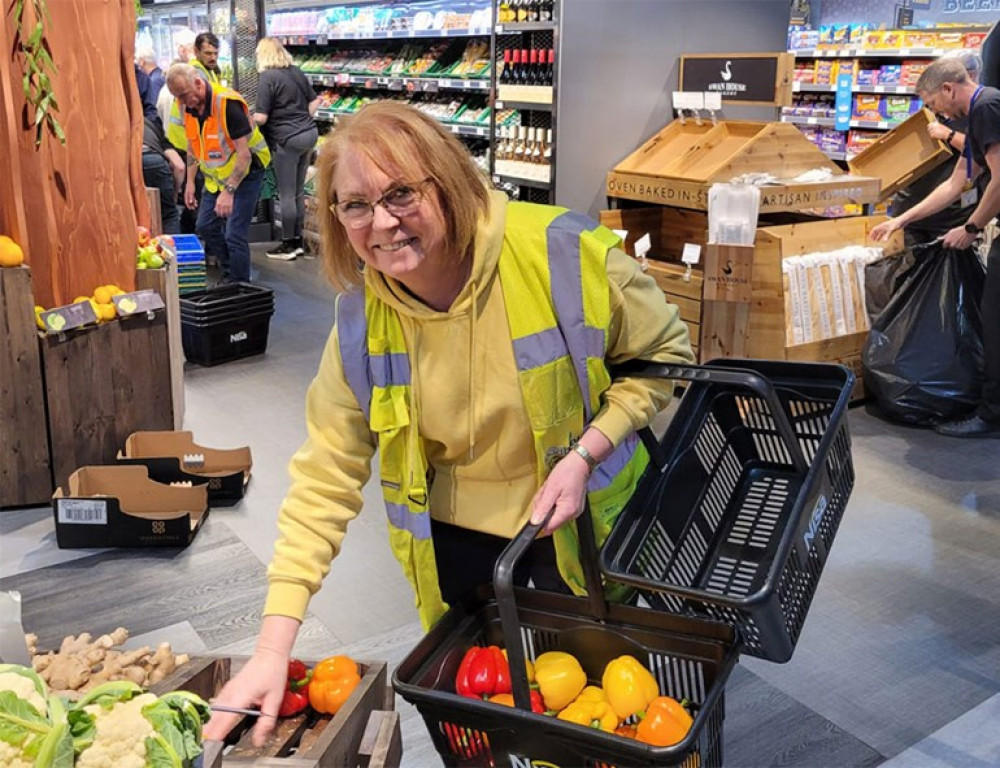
{"points": [[900, 641]]}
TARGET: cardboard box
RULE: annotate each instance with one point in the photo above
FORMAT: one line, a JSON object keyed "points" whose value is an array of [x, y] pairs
{"points": [[173, 457], [111, 506]]}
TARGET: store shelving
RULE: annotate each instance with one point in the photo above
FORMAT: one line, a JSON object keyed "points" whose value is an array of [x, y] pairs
{"points": [[901, 90]]}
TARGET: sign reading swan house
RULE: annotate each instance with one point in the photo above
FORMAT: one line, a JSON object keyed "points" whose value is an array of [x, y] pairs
{"points": [[747, 78]]}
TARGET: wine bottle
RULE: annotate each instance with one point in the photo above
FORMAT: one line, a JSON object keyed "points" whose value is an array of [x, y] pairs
{"points": [[545, 10], [534, 73], [537, 148], [522, 10], [550, 70], [547, 152], [525, 68], [515, 69], [519, 147], [532, 10], [505, 72]]}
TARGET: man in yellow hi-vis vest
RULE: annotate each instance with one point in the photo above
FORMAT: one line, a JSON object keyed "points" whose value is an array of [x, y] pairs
{"points": [[226, 145]]}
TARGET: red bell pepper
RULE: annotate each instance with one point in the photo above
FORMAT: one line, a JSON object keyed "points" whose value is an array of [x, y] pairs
{"points": [[296, 696], [483, 673]]}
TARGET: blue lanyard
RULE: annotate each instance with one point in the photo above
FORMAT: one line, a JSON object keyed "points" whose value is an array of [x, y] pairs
{"points": [[968, 135]]}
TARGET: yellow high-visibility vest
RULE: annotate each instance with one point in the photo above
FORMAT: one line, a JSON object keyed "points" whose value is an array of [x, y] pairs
{"points": [[558, 309]]}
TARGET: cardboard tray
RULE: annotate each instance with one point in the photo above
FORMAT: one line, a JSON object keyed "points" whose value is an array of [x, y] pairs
{"points": [[174, 456], [902, 155], [115, 506]]}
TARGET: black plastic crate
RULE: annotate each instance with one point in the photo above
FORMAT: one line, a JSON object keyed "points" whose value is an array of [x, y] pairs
{"points": [[218, 315], [735, 517], [220, 342], [227, 296], [690, 658]]}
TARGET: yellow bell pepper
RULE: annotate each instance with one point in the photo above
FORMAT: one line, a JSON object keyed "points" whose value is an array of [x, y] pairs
{"points": [[591, 710], [528, 666], [560, 678], [629, 686]]}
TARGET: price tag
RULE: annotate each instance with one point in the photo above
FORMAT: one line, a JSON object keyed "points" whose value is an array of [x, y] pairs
{"points": [[137, 301], [643, 245], [499, 29], [82, 512], [713, 101], [322, 39], [904, 51], [691, 254], [430, 86], [499, 105], [395, 85], [879, 89], [70, 316], [811, 120]]}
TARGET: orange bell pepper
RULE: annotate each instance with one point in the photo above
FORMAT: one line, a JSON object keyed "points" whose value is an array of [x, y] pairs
{"points": [[666, 723], [333, 681]]}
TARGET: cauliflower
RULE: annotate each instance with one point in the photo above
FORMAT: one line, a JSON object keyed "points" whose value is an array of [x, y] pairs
{"points": [[121, 735], [13, 757], [116, 725], [34, 730], [24, 688]]}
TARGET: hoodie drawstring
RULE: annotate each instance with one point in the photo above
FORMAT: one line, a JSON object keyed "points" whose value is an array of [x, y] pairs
{"points": [[472, 372]]}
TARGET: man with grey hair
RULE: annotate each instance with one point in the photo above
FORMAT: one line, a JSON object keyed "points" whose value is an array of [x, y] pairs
{"points": [[951, 131], [947, 89], [146, 60], [225, 143]]}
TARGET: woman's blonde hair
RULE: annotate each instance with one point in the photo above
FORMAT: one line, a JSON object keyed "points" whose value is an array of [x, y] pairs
{"points": [[402, 142], [271, 54]]}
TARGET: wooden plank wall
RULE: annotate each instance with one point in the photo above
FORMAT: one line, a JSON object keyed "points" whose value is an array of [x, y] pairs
{"points": [[25, 467], [103, 383]]}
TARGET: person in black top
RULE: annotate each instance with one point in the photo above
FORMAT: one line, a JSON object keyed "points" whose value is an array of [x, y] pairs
{"points": [[285, 107], [946, 89], [162, 168], [991, 58], [952, 132]]}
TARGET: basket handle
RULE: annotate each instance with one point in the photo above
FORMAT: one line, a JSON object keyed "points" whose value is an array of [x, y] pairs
{"points": [[741, 377], [503, 587]]}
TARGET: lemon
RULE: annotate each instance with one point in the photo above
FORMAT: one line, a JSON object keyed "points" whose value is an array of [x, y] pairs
{"points": [[102, 295], [11, 254]]}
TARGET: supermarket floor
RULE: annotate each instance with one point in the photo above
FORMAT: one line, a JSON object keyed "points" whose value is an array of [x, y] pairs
{"points": [[898, 663]]}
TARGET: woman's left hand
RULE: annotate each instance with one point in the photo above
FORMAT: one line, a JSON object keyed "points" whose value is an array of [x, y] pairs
{"points": [[563, 489]]}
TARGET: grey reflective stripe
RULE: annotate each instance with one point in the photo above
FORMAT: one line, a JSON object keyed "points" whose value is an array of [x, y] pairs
{"points": [[563, 239], [390, 369], [607, 470], [539, 348], [352, 335], [417, 523]]}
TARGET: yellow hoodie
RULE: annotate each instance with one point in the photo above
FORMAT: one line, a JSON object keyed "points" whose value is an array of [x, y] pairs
{"points": [[471, 414]]}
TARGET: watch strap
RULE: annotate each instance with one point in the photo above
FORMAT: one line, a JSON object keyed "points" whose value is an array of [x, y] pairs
{"points": [[586, 455]]}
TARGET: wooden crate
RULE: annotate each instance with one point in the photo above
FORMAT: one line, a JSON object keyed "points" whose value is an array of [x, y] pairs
{"points": [[757, 330], [25, 464], [354, 736], [165, 282], [655, 174], [102, 383], [902, 155]]}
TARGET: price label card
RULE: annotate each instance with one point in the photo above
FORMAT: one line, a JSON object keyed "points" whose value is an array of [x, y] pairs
{"points": [[395, 85], [322, 39], [691, 254], [622, 233], [431, 86], [71, 316], [138, 301], [713, 101], [642, 245], [499, 105]]}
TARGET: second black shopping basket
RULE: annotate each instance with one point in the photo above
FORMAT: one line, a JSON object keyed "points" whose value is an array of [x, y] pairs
{"points": [[755, 475]]}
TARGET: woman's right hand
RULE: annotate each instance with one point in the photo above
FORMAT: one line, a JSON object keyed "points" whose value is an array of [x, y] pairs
{"points": [[261, 682]]}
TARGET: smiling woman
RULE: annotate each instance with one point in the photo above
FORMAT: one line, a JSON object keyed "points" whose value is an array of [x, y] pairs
{"points": [[471, 347]]}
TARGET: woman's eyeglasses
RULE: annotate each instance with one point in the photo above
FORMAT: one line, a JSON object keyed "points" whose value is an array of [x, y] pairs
{"points": [[399, 200]]}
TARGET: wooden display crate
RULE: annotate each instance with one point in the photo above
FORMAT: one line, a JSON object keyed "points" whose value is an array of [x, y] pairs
{"points": [[165, 282], [734, 329], [678, 165], [25, 464], [102, 383], [902, 155], [364, 732]]}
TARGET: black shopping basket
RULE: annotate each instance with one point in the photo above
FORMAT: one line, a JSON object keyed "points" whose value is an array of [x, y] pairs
{"points": [[690, 658], [735, 517]]}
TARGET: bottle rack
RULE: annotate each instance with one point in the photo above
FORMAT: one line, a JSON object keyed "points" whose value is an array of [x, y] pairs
{"points": [[536, 102]]}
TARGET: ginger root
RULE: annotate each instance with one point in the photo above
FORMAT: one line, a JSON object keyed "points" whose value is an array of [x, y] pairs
{"points": [[82, 663]]}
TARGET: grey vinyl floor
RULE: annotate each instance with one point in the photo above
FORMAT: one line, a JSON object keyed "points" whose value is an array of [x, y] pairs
{"points": [[898, 663]]}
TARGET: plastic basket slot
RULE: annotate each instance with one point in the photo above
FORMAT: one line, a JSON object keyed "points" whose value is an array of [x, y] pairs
{"points": [[711, 442], [470, 746], [748, 630], [537, 641], [734, 578], [795, 593], [664, 602], [677, 677], [688, 560], [657, 550]]}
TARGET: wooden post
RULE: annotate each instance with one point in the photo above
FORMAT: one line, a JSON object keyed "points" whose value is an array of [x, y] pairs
{"points": [[82, 199], [165, 282], [25, 466]]}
